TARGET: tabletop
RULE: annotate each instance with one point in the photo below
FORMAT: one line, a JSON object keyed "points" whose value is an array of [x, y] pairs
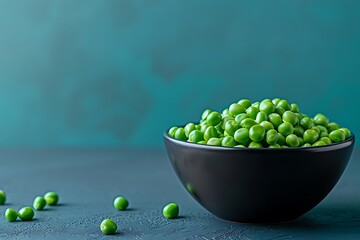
{"points": [[88, 180]]}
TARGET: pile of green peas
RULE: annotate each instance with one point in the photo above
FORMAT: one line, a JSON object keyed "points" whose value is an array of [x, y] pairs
{"points": [[267, 124]]}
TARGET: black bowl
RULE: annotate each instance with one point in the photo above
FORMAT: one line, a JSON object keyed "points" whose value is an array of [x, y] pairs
{"points": [[258, 185]]}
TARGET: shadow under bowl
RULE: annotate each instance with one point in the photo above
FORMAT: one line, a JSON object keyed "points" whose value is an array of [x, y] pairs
{"points": [[258, 185]]}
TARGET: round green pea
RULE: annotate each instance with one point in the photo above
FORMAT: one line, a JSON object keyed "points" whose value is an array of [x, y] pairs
{"points": [[205, 113], [272, 136], [242, 136], [281, 139], [292, 140], [171, 211], [11, 214], [257, 133], [108, 226], [214, 118], [51, 198], [231, 126], [2, 197], [256, 105], [252, 112], [236, 109], [332, 126], [321, 119], [260, 117], [286, 128], [245, 103], [306, 123], [240, 117], [321, 128], [210, 132], [290, 117], [224, 121], [284, 104], [26, 213], [346, 132], [228, 141], [316, 129], [306, 145], [275, 146], [337, 136], [319, 143], [172, 131], [39, 203], [255, 145], [196, 136], [295, 108], [225, 113], [298, 131], [202, 142], [180, 134], [301, 141], [121, 203], [214, 142], [267, 107], [267, 125], [275, 119], [279, 110], [326, 140], [189, 128], [247, 123], [310, 136], [275, 101], [324, 134]]}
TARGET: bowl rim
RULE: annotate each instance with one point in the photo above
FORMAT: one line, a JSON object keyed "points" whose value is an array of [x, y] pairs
{"points": [[328, 147]]}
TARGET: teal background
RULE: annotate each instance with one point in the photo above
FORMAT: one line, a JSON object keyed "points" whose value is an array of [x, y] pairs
{"points": [[119, 73]]}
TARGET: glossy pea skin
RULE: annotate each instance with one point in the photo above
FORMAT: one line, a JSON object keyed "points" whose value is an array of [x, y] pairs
{"points": [[306, 123], [298, 131], [231, 126], [286, 128], [236, 109], [284, 104], [240, 117], [290, 117], [295, 108], [301, 141], [267, 125], [292, 140], [214, 142], [257, 133], [346, 132], [306, 145], [321, 128], [171, 211], [316, 129], [242, 136], [281, 139], [255, 145], [321, 119], [326, 140], [275, 119], [196, 136], [180, 134], [260, 117], [272, 137], [39, 203], [247, 123], [267, 107], [332, 126], [224, 121], [189, 128], [121, 203], [202, 142], [319, 144], [172, 131], [245, 103], [275, 146], [256, 105], [225, 113], [11, 215], [51, 198], [275, 101], [310, 136], [324, 134], [228, 141], [108, 226], [252, 112], [2, 197], [205, 113], [26, 213], [213, 119], [337, 136], [279, 110], [210, 132]]}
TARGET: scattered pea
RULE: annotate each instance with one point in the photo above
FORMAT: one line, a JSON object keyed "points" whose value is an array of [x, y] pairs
{"points": [[39, 203], [108, 226], [51, 198], [121, 203], [26, 213], [337, 136], [2, 197], [171, 211], [11, 214]]}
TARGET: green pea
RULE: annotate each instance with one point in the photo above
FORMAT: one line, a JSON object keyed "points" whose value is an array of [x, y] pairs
{"points": [[2, 197], [257, 133], [290, 117], [272, 137], [337, 136], [224, 121], [299, 117], [26, 213], [275, 146], [231, 126], [284, 104], [267, 125], [321, 119], [228, 141], [310, 136], [279, 110], [210, 132], [316, 129], [240, 146], [306, 145], [214, 142], [180, 134], [319, 143], [245, 103], [214, 118], [275, 119], [240, 117], [306, 123], [321, 128], [256, 105], [267, 107], [242, 136], [197, 127], [281, 139], [205, 114], [172, 131], [326, 140], [275, 101], [292, 140], [255, 145], [301, 141], [332, 126], [346, 132], [171, 211], [295, 108], [189, 128], [247, 123], [108, 226], [196, 136], [11, 215], [298, 131], [203, 128], [39, 203], [51, 198], [252, 112], [260, 117], [286, 128], [225, 113], [121, 203], [202, 142], [236, 109], [324, 134]]}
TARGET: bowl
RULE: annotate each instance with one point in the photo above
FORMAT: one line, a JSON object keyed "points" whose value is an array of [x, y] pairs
{"points": [[258, 185]]}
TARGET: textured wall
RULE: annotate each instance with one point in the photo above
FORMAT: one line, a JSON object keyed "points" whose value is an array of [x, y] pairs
{"points": [[118, 73]]}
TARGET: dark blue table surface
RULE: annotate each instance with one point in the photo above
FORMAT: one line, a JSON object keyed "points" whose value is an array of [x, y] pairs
{"points": [[88, 180]]}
